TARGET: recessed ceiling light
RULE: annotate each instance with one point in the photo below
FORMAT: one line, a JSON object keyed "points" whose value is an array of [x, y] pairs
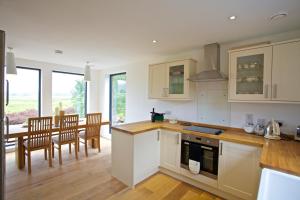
{"points": [[233, 17], [154, 41], [57, 51], [279, 15]]}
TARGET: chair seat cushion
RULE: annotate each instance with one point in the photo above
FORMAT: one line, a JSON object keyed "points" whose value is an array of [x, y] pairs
{"points": [[37, 144], [55, 139]]}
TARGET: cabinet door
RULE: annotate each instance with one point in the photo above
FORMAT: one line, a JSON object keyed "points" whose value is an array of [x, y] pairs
{"points": [[250, 74], [239, 170], [170, 150], [286, 72], [157, 81], [146, 155], [177, 83]]}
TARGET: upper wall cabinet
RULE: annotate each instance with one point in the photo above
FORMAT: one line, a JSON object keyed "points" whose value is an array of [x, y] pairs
{"points": [[169, 80], [266, 73]]}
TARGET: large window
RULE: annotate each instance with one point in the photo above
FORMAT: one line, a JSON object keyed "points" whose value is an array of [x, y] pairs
{"points": [[69, 91], [24, 95]]}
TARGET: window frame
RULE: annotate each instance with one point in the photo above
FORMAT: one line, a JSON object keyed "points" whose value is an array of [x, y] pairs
{"points": [[40, 86], [86, 85]]}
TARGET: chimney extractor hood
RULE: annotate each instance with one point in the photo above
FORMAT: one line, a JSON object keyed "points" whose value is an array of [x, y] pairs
{"points": [[212, 60]]}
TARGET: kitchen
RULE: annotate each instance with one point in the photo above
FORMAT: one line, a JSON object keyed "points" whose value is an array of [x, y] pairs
{"points": [[193, 105]]}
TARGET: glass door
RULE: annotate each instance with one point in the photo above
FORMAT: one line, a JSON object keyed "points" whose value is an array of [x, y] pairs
{"points": [[251, 74], [117, 110]]}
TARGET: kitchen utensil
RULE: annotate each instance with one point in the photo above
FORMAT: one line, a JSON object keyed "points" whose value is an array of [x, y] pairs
{"points": [[272, 130], [249, 128]]}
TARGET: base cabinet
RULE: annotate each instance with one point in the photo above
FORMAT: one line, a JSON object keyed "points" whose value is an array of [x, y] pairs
{"points": [[239, 171], [170, 150]]}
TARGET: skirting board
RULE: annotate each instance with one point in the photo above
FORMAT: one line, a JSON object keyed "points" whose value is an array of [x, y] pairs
{"points": [[202, 186]]}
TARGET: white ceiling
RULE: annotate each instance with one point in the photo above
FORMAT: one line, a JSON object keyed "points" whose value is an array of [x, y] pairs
{"points": [[117, 32]]}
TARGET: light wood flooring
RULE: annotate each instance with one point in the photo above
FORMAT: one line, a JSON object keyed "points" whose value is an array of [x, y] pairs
{"points": [[89, 178], [163, 187]]}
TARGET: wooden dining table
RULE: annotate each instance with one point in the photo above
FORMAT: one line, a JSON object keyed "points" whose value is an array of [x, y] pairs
{"points": [[19, 132]]}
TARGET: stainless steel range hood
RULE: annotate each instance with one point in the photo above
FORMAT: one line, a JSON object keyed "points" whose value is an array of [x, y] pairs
{"points": [[212, 60]]}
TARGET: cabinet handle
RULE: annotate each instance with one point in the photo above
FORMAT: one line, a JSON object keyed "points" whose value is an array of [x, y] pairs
{"points": [[266, 91], [178, 139], [158, 135], [221, 149], [274, 91]]}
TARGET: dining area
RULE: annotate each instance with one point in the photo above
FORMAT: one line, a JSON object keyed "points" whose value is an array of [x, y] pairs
{"points": [[51, 133]]}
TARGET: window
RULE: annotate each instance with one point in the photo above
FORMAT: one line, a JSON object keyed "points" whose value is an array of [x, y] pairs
{"points": [[24, 95], [69, 92]]}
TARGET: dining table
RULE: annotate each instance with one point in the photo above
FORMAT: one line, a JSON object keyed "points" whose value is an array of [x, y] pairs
{"points": [[20, 133]]}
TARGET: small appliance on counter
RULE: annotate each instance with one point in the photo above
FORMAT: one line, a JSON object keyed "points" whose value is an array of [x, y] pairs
{"points": [[272, 130], [156, 116], [297, 135]]}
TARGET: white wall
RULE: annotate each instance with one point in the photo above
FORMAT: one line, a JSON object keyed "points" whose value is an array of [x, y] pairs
{"points": [[204, 107], [46, 78]]}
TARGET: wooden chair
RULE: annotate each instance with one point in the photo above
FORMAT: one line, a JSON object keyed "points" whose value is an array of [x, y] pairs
{"points": [[39, 137], [68, 134], [92, 131]]}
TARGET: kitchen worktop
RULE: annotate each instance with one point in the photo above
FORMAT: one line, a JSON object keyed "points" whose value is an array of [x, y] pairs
{"points": [[279, 155]]}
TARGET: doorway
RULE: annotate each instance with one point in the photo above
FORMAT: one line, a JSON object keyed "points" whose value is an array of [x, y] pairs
{"points": [[117, 99]]}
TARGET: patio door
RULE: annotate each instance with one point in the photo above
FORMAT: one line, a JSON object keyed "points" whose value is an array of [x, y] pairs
{"points": [[117, 94]]}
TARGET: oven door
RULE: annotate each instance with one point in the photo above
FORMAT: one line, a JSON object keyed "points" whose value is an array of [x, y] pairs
{"points": [[185, 154], [209, 160]]}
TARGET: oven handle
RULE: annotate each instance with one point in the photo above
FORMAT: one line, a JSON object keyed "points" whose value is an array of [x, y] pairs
{"points": [[207, 148]]}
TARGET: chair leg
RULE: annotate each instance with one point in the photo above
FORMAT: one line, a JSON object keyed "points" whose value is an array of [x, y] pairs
{"points": [[52, 150], [70, 148], [99, 144], [59, 152], [78, 144], [76, 151], [50, 158], [29, 161], [85, 146], [45, 152]]}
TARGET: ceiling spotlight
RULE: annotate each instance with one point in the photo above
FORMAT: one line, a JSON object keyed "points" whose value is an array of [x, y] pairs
{"points": [[233, 17], [57, 51], [277, 16], [154, 41]]}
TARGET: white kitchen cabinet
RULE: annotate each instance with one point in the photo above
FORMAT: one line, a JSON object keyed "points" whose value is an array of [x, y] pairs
{"points": [[286, 72], [250, 74], [239, 170], [135, 157], [268, 73], [169, 80], [170, 150]]}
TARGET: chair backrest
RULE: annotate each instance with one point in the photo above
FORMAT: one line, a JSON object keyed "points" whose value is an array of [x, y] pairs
{"points": [[68, 127], [93, 124], [39, 131]]}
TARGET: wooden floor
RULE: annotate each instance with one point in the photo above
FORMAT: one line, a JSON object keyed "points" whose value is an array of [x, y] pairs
{"points": [[163, 187], [89, 178]]}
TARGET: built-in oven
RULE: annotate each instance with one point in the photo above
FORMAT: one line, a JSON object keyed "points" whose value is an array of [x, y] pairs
{"points": [[203, 150]]}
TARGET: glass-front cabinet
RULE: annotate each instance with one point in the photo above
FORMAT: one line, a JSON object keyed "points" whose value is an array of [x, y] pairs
{"points": [[250, 74], [169, 80]]}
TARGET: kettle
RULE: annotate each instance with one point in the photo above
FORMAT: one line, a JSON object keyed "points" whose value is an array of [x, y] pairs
{"points": [[272, 130]]}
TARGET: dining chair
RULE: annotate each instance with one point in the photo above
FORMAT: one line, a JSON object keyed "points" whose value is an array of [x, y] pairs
{"points": [[39, 137], [92, 130], [68, 134]]}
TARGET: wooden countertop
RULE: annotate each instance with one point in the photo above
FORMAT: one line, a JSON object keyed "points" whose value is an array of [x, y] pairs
{"points": [[279, 155]]}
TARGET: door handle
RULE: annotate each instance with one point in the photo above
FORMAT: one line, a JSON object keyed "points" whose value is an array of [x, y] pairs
{"points": [[266, 91], [7, 92], [158, 135], [7, 128], [221, 148], [274, 91], [207, 148]]}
